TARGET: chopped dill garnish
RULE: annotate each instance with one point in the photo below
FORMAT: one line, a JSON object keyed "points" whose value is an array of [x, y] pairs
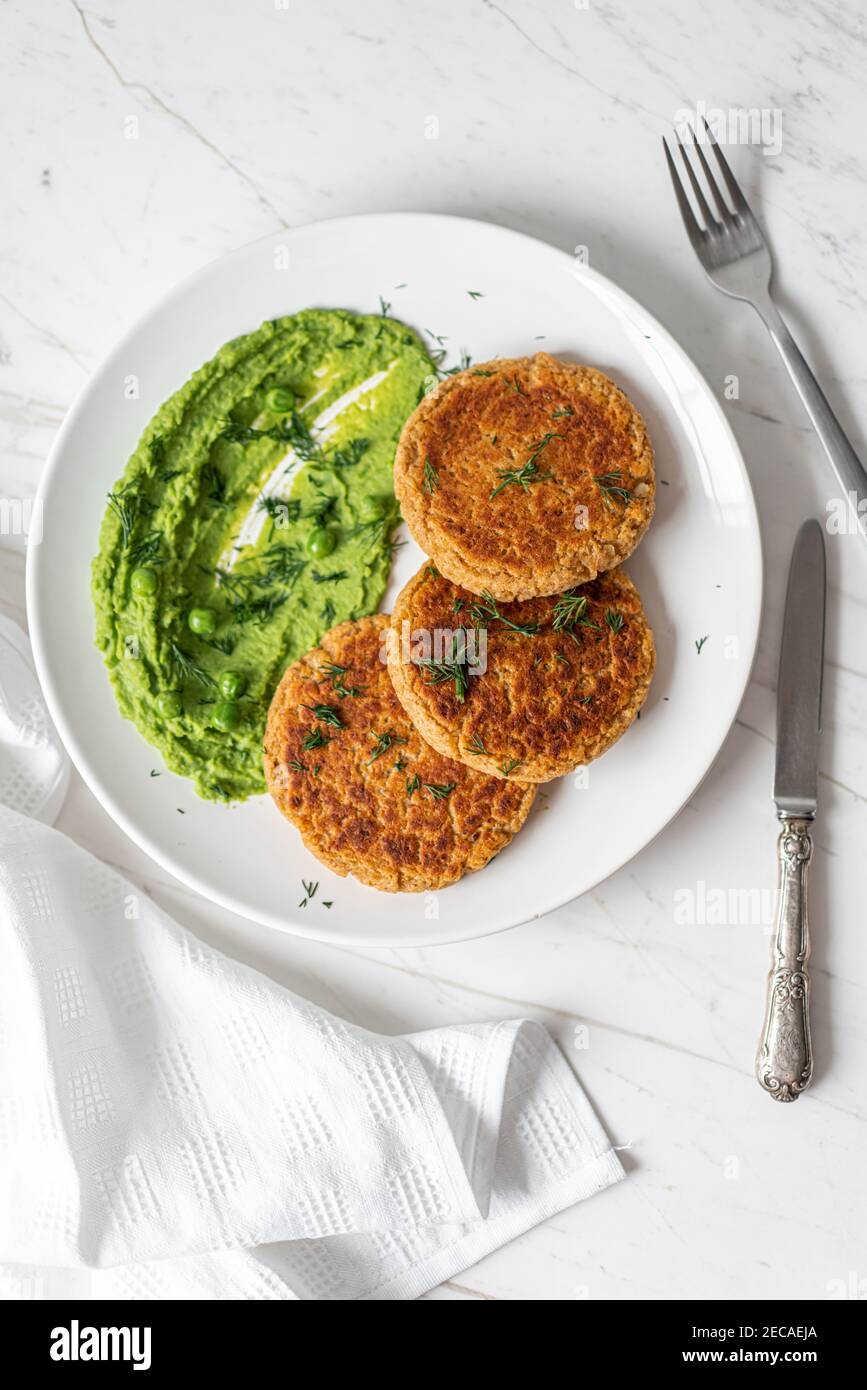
{"points": [[187, 668], [330, 668], [281, 510], [614, 619], [296, 766], [475, 294], [475, 745], [327, 714], [333, 578], [248, 591], [431, 479], [439, 790], [125, 505], [348, 455], [283, 565], [297, 433], [377, 529], [519, 477], [485, 610], [564, 410], [438, 672], [224, 644], [612, 487], [216, 483], [529, 472], [569, 612], [315, 739], [292, 431], [412, 785], [382, 743], [509, 765], [384, 307], [257, 610], [147, 550], [156, 450], [323, 511], [700, 643]]}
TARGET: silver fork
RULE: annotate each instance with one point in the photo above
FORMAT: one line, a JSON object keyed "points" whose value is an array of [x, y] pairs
{"points": [[736, 258]]}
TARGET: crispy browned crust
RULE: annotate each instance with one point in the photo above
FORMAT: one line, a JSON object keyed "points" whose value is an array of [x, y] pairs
{"points": [[525, 542], [355, 814], [548, 702]]}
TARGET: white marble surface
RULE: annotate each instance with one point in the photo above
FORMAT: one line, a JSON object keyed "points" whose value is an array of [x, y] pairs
{"points": [[251, 116]]}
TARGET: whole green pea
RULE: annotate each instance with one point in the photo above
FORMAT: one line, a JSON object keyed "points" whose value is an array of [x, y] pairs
{"points": [[232, 684], [169, 704], [201, 621], [143, 582], [279, 400], [321, 542], [226, 715]]}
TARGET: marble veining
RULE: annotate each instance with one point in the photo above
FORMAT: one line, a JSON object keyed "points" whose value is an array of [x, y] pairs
{"points": [[142, 141]]}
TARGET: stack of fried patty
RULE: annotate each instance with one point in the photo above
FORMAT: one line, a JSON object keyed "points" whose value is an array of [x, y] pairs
{"points": [[407, 751]]}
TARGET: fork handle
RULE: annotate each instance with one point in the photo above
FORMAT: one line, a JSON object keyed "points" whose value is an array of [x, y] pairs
{"points": [[784, 1066], [845, 462]]}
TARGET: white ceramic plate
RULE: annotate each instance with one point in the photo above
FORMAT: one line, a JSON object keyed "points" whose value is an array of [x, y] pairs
{"points": [[698, 570]]}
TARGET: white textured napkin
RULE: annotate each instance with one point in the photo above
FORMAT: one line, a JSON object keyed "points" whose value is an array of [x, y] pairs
{"points": [[176, 1125]]}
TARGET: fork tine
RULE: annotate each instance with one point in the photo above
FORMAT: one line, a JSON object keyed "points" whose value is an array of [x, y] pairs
{"points": [[723, 208], [737, 197], [709, 220], [693, 230]]}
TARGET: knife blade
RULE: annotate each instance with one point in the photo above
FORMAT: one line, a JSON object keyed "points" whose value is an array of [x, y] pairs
{"points": [[799, 689], [784, 1065]]}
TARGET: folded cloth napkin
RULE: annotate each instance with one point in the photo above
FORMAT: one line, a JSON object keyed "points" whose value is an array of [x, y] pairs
{"points": [[175, 1125]]}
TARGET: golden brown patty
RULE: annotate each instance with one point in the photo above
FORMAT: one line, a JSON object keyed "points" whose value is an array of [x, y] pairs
{"points": [[525, 476], [372, 799], [551, 697]]}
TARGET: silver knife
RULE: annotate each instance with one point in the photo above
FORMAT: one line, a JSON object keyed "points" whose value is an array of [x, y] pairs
{"points": [[784, 1065]]}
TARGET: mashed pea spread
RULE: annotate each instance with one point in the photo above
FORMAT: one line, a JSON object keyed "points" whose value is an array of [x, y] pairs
{"points": [[256, 512]]}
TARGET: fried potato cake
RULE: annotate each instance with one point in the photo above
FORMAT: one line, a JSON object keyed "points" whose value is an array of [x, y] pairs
{"points": [[345, 765], [524, 691], [525, 476]]}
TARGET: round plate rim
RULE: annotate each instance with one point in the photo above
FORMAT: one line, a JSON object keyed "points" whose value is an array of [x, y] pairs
{"points": [[41, 658]]}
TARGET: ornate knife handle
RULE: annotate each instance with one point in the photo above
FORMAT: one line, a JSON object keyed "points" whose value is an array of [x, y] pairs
{"points": [[784, 1066]]}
